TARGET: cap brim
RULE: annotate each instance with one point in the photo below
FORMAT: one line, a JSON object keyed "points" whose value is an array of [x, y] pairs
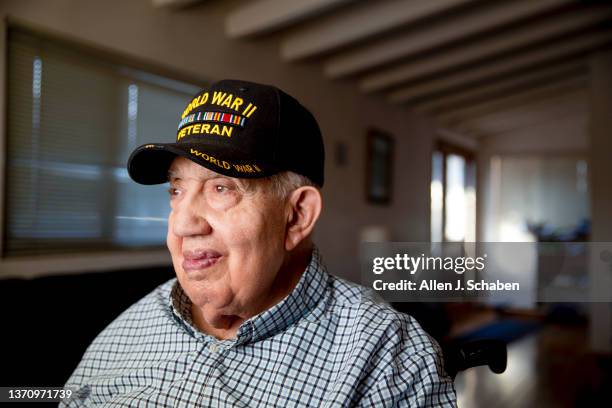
{"points": [[149, 164]]}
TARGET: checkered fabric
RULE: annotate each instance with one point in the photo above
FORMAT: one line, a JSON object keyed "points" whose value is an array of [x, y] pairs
{"points": [[329, 343]]}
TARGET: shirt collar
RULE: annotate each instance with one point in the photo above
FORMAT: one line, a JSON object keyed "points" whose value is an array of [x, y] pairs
{"points": [[304, 301]]}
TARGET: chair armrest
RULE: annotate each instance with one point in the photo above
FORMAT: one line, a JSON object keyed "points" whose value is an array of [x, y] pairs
{"points": [[461, 356]]}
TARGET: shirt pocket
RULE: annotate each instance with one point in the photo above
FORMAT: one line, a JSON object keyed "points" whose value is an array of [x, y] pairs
{"points": [[136, 379]]}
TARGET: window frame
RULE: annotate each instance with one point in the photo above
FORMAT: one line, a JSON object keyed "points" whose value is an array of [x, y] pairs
{"points": [[81, 260], [446, 149]]}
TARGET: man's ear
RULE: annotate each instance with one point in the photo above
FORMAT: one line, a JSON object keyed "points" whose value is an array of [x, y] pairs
{"points": [[304, 207]]}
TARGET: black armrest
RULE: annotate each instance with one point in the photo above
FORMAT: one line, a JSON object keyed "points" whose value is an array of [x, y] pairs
{"points": [[461, 356]]}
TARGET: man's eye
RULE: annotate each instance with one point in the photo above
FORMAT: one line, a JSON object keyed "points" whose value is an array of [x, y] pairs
{"points": [[221, 189], [173, 191]]}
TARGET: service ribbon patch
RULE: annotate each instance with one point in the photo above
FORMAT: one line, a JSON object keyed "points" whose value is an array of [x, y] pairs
{"points": [[219, 117]]}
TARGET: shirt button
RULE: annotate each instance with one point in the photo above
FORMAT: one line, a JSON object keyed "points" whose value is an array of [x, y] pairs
{"points": [[213, 348]]}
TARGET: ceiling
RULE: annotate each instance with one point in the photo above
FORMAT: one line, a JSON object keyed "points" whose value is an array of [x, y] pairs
{"points": [[479, 67]]}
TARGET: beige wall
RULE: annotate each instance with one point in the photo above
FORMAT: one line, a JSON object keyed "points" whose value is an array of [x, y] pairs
{"points": [[192, 41]]}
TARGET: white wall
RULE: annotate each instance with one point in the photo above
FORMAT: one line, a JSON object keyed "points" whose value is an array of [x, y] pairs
{"points": [[542, 190], [567, 136], [192, 41]]}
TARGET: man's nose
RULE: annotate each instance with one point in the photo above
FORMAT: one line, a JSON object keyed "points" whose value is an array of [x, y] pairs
{"points": [[190, 218]]}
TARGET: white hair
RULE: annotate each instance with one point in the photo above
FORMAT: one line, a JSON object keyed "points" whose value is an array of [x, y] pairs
{"points": [[280, 184]]}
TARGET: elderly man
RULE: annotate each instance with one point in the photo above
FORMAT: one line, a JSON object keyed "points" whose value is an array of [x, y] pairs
{"points": [[253, 319]]}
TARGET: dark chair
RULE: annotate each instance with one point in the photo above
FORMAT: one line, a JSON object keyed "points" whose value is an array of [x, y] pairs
{"points": [[489, 352], [458, 355]]}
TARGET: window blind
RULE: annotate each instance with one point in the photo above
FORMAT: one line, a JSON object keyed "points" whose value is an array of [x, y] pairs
{"points": [[73, 120]]}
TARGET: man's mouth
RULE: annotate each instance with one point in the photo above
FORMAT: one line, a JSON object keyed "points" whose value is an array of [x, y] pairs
{"points": [[199, 259]]}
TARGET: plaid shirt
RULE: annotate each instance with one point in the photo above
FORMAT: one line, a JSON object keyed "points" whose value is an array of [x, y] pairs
{"points": [[329, 343]]}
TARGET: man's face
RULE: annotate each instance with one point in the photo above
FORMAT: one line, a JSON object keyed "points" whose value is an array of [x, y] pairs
{"points": [[227, 243]]}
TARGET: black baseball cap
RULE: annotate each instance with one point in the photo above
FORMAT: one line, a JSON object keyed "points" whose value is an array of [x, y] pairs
{"points": [[238, 129]]}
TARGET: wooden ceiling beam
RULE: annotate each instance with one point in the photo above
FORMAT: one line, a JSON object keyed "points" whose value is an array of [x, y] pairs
{"points": [[174, 3], [364, 20], [533, 96], [503, 86], [258, 17], [489, 16], [516, 38], [506, 66], [530, 115]]}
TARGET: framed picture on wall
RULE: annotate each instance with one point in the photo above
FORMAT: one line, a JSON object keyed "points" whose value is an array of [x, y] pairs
{"points": [[379, 166]]}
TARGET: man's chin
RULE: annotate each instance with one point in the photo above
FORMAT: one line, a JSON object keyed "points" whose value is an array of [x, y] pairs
{"points": [[206, 296], [199, 275]]}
